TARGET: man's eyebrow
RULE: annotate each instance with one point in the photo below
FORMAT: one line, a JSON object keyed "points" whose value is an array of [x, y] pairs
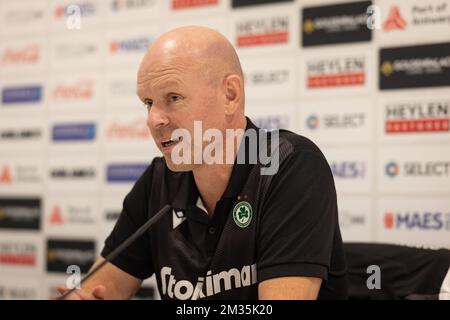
{"points": [[162, 84], [169, 83]]}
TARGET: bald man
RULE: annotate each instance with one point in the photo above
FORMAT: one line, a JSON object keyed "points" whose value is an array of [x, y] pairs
{"points": [[233, 232]]}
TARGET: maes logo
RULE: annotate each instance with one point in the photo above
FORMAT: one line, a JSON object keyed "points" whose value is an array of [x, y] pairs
{"points": [[427, 220]]}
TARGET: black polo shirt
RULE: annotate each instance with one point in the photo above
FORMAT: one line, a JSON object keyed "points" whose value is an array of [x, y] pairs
{"points": [[260, 229]]}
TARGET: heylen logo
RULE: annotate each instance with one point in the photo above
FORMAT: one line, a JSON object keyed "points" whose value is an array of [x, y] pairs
{"points": [[420, 116], [337, 72], [17, 254], [272, 30], [73, 132], [21, 94], [183, 4]]}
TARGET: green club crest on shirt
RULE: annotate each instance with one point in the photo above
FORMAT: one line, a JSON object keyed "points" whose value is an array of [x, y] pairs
{"points": [[242, 214]]}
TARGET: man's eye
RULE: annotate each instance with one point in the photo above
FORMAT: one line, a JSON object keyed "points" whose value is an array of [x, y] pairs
{"points": [[174, 97], [148, 103]]}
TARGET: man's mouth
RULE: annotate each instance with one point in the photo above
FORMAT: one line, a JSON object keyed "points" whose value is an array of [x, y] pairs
{"points": [[169, 143]]}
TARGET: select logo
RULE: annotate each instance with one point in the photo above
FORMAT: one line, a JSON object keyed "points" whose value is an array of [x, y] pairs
{"points": [[22, 94], [67, 51], [15, 292], [74, 132], [312, 122], [336, 121], [22, 16], [267, 77], [419, 169], [124, 172], [392, 169]]}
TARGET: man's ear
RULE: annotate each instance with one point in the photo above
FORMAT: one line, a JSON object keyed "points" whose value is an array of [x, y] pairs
{"points": [[233, 87]]}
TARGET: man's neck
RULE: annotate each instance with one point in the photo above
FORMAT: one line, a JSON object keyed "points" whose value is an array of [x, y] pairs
{"points": [[212, 180]]}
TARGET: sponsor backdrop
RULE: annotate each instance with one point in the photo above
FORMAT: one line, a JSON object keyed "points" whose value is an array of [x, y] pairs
{"points": [[368, 81]]}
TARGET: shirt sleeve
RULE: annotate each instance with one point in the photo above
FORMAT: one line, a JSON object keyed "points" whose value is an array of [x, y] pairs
{"points": [[136, 260], [298, 219]]}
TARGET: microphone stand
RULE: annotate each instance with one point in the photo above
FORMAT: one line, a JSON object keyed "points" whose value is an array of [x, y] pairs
{"points": [[120, 248]]}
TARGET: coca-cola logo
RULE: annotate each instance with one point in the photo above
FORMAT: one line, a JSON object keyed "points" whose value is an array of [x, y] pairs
{"points": [[28, 54], [81, 90]]}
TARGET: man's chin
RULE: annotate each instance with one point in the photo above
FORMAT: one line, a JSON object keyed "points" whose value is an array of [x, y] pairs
{"points": [[182, 167]]}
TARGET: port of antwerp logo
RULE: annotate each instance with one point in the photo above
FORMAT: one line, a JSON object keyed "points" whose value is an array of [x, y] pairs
{"points": [[242, 214]]}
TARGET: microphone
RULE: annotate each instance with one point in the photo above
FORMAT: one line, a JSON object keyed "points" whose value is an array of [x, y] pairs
{"points": [[120, 248]]}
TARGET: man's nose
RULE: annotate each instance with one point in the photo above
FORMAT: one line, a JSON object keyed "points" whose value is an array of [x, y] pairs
{"points": [[157, 118]]}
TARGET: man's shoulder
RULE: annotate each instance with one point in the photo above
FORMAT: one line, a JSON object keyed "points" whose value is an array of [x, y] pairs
{"points": [[298, 145]]}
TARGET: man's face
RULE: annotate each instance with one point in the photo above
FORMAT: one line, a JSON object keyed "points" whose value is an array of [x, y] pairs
{"points": [[176, 95]]}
